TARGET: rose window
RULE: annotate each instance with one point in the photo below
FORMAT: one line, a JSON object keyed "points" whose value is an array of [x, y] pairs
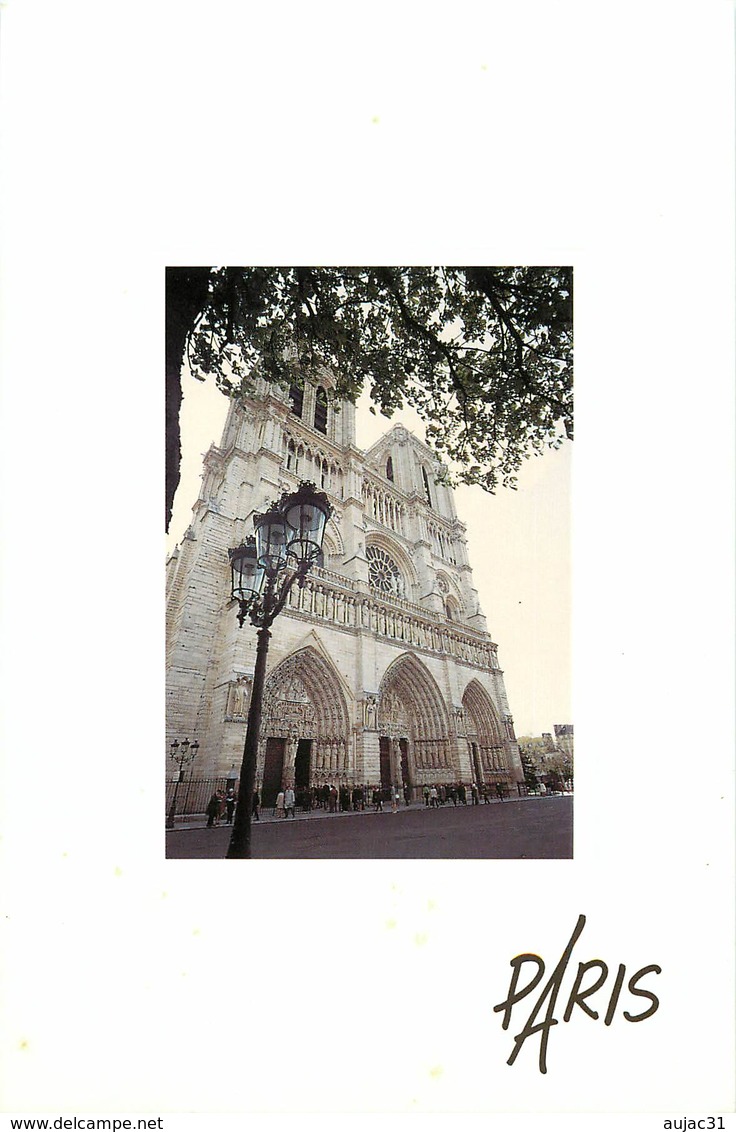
{"points": [[383, 573]]}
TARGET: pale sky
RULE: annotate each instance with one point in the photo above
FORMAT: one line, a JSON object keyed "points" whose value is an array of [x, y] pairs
{"points": [[519, 546]]}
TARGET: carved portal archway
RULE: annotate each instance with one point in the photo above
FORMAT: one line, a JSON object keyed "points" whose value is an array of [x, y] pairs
{"points": [[413, 720], [485, 735], [304, 711]]}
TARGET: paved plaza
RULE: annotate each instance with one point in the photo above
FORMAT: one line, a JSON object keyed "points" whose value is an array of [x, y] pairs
{"points": [[531, 828]]}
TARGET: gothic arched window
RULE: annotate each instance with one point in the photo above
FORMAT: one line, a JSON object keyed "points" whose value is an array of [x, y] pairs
{"points": [[383, 573], [296, 396], [452, 609], [320, 410], [390, 469]]}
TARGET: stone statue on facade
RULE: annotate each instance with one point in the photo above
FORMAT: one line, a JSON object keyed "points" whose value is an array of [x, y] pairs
{"points": [[370, 712], [238, 698]]}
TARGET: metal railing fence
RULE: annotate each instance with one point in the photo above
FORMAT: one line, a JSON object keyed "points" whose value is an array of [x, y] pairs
{"points": [[193, 794]]}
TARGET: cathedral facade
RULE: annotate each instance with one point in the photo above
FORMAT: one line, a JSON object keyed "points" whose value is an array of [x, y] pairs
{"points": [[381, 670]]}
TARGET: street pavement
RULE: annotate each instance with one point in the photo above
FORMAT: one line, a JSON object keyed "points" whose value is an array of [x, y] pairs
{"points": [[533, 828]]}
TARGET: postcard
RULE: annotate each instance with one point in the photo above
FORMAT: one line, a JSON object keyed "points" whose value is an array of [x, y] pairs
{"points": [[574, 960]]}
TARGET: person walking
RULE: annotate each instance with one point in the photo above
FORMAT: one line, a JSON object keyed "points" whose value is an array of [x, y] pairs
{"points": [[230, 805], [394, 800], [213, 809], [278, 810], [289, 802], [255, 809]]}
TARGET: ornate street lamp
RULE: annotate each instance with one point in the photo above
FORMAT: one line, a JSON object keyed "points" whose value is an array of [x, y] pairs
{"points": [[182, 754], [287, 543]]}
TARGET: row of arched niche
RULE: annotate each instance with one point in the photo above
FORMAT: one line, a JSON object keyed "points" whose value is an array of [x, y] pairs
{"points": [[306, 690]]}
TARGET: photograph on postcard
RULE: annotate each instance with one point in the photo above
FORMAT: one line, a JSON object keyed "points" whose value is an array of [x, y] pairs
{"points": [[379, 481]]}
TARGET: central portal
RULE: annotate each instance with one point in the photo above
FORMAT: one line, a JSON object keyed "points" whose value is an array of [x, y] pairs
{"points": [[412, 710]]}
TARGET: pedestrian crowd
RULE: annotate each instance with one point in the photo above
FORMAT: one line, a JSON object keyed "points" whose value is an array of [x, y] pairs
{"points": [[457, 794], [221, 805], [340, 799]]}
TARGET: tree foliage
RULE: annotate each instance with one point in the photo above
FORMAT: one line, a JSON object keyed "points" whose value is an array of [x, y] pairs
{"points": [[483, 354], [561, 765], [529, 765], [555, 767]]}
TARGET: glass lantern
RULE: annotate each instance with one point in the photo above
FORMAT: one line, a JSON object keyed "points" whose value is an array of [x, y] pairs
{"points": [[247, 573], [271, 538], [306, 512]]}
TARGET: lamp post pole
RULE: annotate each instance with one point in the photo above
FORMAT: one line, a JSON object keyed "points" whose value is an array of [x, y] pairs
{"points": [[240, 837], [288, 540], [182, 759]]}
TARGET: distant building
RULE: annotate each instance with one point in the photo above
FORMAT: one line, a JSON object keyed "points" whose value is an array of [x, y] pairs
{"points": [[564, 738]]}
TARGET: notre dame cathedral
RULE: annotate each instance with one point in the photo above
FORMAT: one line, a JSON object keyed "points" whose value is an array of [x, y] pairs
{"points": [[381, 669]]}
